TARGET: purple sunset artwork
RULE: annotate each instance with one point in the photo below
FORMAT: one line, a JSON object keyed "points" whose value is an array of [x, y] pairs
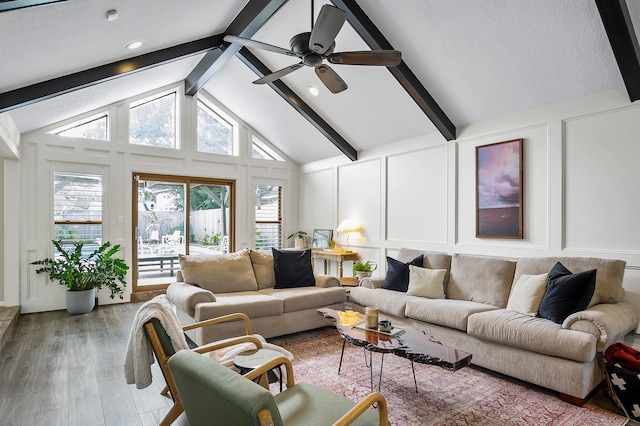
{"points": [[499, 190]]}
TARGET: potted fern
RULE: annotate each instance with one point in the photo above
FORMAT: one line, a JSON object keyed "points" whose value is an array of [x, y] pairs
{"points": [[364, 270], [83, 274]]}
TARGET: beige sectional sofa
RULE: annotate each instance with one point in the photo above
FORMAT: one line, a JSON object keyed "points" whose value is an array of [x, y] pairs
{"points": [[245, 281], [565, 357]]}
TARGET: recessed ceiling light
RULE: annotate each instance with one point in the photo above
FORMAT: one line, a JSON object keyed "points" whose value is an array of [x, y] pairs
{"points": [[134, 44], [314, 90]]}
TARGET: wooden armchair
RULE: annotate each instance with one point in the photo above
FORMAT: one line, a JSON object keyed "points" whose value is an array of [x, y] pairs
{"points": [[209, 390], [164, 350]]}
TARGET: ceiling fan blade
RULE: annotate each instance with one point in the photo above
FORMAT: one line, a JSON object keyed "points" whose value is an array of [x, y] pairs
{"points": [[387, 58], [327, 27], [259, 45], [278, 74], [330, 79]]}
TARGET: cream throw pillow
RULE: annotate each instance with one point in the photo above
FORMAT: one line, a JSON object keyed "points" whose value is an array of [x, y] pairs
{"points": [[424, 282], [527, 293]]}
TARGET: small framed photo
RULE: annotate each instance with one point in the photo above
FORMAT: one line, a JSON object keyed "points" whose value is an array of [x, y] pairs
{"points": [[321, 238], [499, 190]]}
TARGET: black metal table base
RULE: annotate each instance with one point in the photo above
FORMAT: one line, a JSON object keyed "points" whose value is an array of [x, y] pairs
{"points": [[369, 365]]}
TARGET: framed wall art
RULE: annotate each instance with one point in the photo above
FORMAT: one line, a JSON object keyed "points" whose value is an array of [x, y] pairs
{"points": [[499, 190], [321, 238]]}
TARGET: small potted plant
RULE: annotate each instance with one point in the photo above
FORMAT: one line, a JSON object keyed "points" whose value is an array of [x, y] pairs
{"points": [[363, 270], [299, 239], [82, 274]]}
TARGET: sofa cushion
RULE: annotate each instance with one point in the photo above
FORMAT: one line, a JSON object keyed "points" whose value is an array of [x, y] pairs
{"points": [[425, 282], [387, 301], [397, 277], [262, 264], [527, 293], [430, 259], [481, 279], [566, 293], [445, 312], [252, 303], [222, 273], [293, 268], [608, 279], [301, 298], [534, 334]]}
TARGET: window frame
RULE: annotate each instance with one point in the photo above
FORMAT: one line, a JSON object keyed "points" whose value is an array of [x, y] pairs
{"points": [[62, 168], [227, 118], [150, 97]]}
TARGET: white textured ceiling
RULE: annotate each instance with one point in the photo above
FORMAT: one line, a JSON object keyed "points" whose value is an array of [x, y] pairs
{"points": [[477, 58]]}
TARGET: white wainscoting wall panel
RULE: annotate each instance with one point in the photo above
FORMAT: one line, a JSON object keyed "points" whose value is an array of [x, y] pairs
{"points": [[536, 188], [417, 195], [602, 172], [360, 200]]}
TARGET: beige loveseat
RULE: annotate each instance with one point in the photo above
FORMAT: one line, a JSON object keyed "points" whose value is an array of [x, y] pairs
{"points": [[565, 357], [245, 281]]}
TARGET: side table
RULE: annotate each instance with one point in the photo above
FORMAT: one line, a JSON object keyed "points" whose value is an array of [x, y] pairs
{"points": [[248, 360], [336, 256]]}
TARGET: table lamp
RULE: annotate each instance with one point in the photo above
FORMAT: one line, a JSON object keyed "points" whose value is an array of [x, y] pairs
{"points": [[348, 227]]}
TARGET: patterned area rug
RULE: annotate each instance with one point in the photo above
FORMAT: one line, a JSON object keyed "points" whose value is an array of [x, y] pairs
{"points": [[465, 397]]}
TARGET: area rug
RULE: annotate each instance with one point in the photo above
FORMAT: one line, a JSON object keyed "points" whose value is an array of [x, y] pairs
{"points": [[466, 397]]}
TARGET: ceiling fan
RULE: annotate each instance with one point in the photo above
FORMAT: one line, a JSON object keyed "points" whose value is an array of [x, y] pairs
{"points": [[314, 47]]}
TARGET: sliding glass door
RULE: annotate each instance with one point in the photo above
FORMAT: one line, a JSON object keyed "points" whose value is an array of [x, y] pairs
{"points": [[177, 215]]}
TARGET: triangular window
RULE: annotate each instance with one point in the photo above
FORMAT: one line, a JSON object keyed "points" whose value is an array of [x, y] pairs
{"points": [[152, 122], [261, 150], [215, 134], [92, 128]]}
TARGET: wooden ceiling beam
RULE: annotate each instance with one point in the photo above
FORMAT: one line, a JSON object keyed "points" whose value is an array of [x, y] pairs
{"points": [[58, 86], [624, 42], [252, 17], [407, 79], [250, 60]]}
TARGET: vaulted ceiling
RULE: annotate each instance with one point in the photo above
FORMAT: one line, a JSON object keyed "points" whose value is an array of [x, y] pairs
{"points": [[463, 61]]}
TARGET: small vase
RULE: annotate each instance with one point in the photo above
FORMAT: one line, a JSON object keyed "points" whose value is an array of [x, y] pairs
{"points": [[80, 302], [300, 243]]}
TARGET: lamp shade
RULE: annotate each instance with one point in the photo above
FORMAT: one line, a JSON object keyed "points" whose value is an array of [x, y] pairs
{"points": [[348, 226]]}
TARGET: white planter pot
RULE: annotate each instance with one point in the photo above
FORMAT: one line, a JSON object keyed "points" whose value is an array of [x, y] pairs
{"points": [[360, 275], [299, 243], [81, 302]]}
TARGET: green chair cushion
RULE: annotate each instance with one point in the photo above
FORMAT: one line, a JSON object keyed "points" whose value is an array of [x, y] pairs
{"points": [[309, 405]]}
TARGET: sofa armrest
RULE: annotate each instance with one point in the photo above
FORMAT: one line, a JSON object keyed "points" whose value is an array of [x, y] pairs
{"points": [[608, 322], [372, 282], [186, 296], [326, 281]]}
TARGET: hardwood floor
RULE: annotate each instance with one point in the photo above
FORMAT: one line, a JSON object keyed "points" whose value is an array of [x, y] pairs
{"points": [[67, 370]]}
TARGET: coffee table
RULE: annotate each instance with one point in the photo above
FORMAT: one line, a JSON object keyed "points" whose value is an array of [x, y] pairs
{"points": [[405, 342]]}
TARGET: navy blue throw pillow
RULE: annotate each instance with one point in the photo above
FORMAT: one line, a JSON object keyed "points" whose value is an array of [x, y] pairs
{"points": [[397, 277], [293, 268], [566, 293]]}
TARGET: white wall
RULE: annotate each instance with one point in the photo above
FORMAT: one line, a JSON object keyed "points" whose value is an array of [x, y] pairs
{"points": [[580, 188], [29, 216]]}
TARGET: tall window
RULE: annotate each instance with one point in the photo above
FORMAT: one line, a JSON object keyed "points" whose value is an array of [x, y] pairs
{"points": [[215, 134], [152, 122], [77, 207], [268, 216]]}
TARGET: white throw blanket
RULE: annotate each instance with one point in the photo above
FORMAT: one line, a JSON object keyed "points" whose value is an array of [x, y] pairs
{"points": [[139, 355]]}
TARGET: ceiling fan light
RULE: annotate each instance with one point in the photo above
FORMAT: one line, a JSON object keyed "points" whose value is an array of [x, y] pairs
{"points": [[314, 90]]}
